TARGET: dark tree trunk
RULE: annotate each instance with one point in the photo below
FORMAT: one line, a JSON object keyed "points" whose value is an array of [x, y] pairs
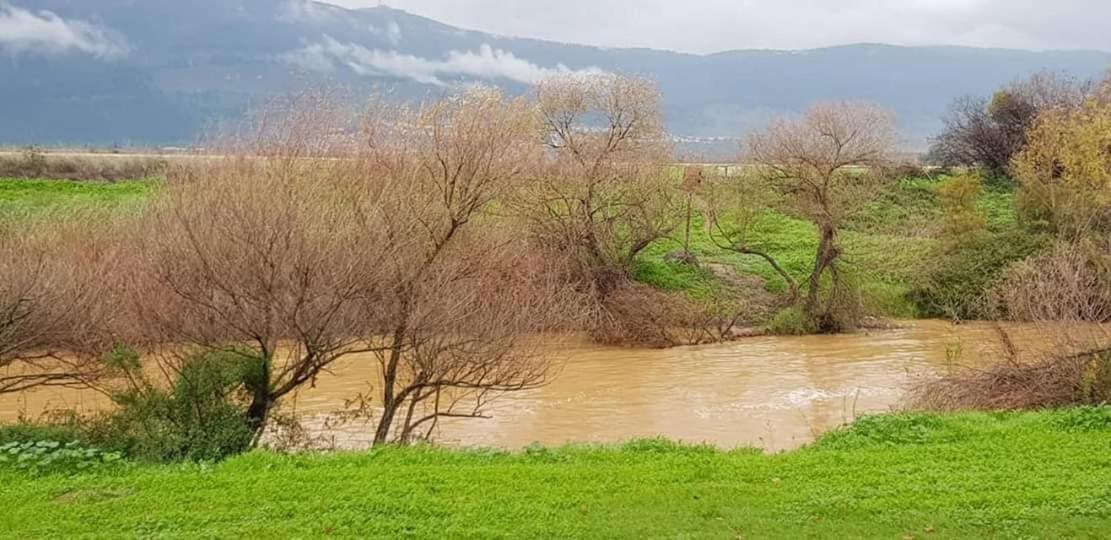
{"points": [[827, 255], [389, 383]]}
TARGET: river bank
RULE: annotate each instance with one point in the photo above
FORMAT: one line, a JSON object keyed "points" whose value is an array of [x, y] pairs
{"points": [[1031, 475]]}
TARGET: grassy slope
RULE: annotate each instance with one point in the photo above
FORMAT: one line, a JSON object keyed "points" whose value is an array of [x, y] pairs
{"points": [[883, 244], [1045, 475]]}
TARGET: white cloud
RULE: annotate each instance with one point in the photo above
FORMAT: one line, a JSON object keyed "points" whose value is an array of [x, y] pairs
{"points": [[705, 26], [392, 32], [485, 63], [46, 32]]}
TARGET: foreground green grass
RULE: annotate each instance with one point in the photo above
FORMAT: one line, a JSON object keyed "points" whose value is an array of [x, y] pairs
{"points": [[1030, 475]]}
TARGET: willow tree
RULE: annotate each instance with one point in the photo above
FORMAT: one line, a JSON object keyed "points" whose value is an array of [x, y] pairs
{"points": [[827, 163]]}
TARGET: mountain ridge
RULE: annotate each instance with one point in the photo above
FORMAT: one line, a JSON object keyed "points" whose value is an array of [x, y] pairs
{"points": [[166, 70]]}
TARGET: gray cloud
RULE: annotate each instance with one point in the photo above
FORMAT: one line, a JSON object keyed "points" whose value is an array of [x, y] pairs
{"points": [[714, 25], [45, 32], [485, 63]]}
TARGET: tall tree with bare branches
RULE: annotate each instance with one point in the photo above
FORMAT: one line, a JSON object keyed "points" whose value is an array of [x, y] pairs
{"points": [[608, 190], [827, 163], [460, 294]]}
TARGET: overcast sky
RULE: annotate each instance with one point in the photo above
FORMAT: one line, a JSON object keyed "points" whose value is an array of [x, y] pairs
{"points": [[714, 25]]}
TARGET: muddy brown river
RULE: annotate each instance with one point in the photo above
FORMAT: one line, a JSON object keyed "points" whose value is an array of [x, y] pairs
{"points": [[775, 393]]}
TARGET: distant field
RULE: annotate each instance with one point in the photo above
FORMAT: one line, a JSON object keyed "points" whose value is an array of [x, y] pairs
{"points": [[22, 196]]}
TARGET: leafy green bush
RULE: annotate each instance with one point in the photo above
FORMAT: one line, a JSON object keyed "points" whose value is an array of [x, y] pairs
{"points": [[32, 432], [1084, 419], [790, 321], [199, 418], [952, 281], [891, 430], [49, 456]]}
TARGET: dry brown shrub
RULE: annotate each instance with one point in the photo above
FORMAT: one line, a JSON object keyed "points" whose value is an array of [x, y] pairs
{"points": [[36, 163], [1065, 295], [56, 274], [637, 315], [1057, 381]]}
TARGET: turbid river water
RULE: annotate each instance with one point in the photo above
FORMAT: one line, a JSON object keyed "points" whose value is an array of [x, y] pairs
{"points": [[775, 393]]}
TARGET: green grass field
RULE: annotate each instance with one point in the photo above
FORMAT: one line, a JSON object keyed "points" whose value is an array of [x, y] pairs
{"points": [[1014, 475], [19, 196], [883, 245]]}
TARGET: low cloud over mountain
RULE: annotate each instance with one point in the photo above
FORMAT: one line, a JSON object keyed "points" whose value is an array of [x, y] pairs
{"points": [[161, 71]]}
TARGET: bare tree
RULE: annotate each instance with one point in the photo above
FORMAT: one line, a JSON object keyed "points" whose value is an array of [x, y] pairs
{"points": [[261, 254], [990, 132], [827, 163], [460, 295], [608, 190]]}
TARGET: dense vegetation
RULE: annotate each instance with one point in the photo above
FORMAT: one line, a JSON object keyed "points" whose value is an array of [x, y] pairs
{"points": [[444, 236], [1029, 475]]}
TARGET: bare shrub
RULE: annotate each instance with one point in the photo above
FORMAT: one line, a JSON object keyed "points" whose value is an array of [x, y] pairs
{"points": [[36, 163], [1083, 378], [54, 282]]}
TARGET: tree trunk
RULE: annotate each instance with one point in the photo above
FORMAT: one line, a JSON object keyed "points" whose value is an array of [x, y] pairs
{"points": [[258, 412], [389, 382], [827, 254], [687, 236]]}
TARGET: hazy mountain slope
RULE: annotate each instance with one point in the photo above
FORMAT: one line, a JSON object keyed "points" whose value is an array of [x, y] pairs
{"points": [[157, 71]]}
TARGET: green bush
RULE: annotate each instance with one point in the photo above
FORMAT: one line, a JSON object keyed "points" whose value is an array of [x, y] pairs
{"points": [[891, 430], [51, 456], [1084, 419], [951, 282], [198, 419], [32, 432], [790, 321]]}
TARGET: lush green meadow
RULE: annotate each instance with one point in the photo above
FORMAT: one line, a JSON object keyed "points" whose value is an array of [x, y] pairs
{"points": [[976, 475], [22, 196], [885, 242]]}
